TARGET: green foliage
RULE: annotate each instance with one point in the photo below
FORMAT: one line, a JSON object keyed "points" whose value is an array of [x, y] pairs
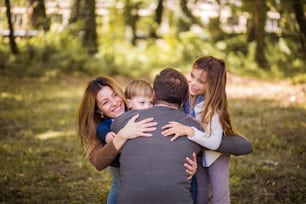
{"points": [[62, 52], [214, 29], [46, 52]]}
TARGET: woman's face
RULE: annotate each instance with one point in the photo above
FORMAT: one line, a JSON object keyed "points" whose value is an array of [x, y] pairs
{"points": [[109, 103], [197, 82]]}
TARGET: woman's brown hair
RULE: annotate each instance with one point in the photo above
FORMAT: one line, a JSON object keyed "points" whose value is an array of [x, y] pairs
{"points": [[89, 115]]}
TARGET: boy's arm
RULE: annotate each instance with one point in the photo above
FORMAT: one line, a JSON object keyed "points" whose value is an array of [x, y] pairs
{"points": [[102, 130], [109, 137], [236, 145]]}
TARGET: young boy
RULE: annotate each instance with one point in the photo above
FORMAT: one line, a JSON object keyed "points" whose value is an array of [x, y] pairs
{"points": [[139, 94]]}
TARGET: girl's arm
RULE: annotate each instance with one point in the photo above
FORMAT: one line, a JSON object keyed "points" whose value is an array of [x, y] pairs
{"points": [[211, 141], [235, 145]]}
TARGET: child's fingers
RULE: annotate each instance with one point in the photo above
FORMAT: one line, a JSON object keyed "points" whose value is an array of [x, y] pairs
{"points": [[150, 129], [174, 138], [190, 161], [146, 120], [167, 132], [194, 157]]}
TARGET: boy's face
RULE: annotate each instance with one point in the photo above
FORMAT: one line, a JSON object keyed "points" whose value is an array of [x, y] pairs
{"points": [[140, 103], [197, 82]]}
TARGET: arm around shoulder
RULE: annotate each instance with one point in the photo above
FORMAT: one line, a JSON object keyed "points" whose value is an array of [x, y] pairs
{"points": [[103, 155], [236, 145]]}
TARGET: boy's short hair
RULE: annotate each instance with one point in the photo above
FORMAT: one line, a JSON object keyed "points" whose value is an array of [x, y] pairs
{"points": [[138, 88], [171, 86]]}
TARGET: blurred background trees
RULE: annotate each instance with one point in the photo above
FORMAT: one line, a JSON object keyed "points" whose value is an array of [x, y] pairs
{"points": [[263, 38]]}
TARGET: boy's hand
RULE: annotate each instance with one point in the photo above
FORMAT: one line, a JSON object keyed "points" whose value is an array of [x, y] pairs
{"points": [[191, 166], [109, 137]]}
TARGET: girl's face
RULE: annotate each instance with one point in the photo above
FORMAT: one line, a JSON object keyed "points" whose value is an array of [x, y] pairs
{"points": [[197, 82], [109, 103]]}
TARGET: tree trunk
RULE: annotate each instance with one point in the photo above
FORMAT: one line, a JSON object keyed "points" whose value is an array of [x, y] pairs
{"points": [[90, 25], [188, 14], [13, 44], [75, 11], [301, 21], [131, 18], [157, 18], [300, 16], [83, 19], [259, 21], [38, 15]]}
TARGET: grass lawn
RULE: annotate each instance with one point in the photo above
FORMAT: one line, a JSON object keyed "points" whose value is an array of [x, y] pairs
{"points": [[42, 161]]}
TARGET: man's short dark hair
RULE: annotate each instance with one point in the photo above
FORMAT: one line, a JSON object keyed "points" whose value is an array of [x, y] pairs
{"points": [[170, 86]]}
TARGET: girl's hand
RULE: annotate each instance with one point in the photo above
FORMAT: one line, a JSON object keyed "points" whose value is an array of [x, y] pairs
{"points": [[191, 166], [109, 137], [135, 129], [177, 129]]}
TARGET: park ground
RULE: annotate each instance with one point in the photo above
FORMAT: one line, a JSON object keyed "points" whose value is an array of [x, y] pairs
{"points": [[42, 160]]}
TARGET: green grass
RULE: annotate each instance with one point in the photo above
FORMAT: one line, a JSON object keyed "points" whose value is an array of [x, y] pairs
{"points": [[275, 171], [42, 160], [41, 157]]}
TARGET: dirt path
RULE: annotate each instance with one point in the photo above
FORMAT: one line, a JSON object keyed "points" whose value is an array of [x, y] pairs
{"points": [[284, 92]]}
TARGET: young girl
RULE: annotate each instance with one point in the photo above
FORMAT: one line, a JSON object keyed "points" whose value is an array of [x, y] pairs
{"points": [[208, 105], [139, 95]]}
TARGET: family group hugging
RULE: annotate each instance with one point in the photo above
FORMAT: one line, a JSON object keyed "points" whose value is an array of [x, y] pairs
{"points": [[168, 142]]}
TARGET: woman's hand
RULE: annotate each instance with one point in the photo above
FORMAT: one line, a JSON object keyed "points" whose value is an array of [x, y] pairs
{"points": [[177, 129], [191, 166], [135, 129]]}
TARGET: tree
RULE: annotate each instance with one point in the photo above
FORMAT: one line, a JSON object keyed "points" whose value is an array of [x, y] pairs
{"points": [[38, 15], [157, 18], [300, 18], [90, 36], [260, 17], [256, 28], [131, 18], [189, 14], [13, 44], [75, 12], [83, 14]]}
